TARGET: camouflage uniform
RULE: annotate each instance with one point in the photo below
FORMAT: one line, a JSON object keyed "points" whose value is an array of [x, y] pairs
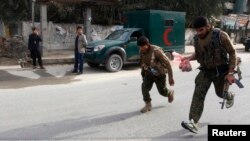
{"points": [[212, 54], [155, 58]]}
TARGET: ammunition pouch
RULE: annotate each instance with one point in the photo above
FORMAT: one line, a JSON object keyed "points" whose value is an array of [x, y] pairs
{"points": [[154, 71], [222, 69], [150, 71]]}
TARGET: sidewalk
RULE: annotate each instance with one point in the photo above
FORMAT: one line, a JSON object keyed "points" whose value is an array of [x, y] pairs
{"points": [[67, 57], [59, 72], [59, 57]]}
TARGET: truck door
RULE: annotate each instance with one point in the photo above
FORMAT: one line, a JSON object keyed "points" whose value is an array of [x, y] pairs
{"points": [[132, 49]]}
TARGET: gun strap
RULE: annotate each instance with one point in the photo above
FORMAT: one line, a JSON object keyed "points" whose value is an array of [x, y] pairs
{"points": [[226, 87]]}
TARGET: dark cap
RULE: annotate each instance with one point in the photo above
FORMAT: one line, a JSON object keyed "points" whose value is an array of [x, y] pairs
{"points": [[142, 41], [34, 28], [79, 27], [200, 21]]}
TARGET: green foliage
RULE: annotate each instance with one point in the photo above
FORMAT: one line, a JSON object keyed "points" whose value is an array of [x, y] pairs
{"points": [[193, 8], [16, 10]]}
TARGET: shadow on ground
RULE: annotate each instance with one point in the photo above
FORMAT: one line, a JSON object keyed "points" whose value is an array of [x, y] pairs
{"points": [[67, 127], [10, 81], [51, 130], [184, 134]]}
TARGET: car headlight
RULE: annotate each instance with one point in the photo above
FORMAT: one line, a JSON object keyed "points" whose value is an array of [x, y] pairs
{"points": [[99, 47]]}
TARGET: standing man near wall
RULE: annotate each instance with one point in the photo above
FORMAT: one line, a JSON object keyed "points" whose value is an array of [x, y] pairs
{"points": [[80, 46], [34, 47]]}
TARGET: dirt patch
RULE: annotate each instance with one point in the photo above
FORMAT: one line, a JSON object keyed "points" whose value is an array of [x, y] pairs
{"points": [[13, 51], [4, 61]]}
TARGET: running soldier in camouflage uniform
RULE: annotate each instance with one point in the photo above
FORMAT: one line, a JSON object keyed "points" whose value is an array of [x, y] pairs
{"points": [[154, 66], [212, 48]]}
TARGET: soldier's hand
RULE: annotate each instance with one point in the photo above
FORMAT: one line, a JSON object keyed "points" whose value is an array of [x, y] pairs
{"points": [[185, 65], [184, 58], [230, 79], [171, 81]]}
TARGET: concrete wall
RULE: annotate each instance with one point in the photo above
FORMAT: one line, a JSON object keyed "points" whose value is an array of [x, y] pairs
{"points": [[2, 31], [62, 36]]}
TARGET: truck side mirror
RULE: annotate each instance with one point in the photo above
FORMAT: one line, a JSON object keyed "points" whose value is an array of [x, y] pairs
{"points": [[133, 38]]}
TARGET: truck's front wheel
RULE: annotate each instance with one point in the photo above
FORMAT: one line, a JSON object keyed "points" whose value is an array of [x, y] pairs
{"points": [[114, 63]]}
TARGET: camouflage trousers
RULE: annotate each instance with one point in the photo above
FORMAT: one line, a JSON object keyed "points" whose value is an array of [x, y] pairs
{"points": [[147, 84], [203, 82]]}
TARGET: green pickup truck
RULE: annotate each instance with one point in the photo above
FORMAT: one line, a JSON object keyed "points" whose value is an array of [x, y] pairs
{"points": [[163, 28]]}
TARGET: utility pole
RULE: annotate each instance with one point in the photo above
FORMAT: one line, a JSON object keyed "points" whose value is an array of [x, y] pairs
{"points": [[44, 26], [87, 22], [33, 12]]}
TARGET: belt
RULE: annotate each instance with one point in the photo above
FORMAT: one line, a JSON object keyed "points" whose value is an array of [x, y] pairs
{"points": [[207, 69]]}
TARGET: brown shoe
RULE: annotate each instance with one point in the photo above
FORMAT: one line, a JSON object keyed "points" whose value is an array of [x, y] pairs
{"points": [[42, 67], [171, 96], [147, 107]]}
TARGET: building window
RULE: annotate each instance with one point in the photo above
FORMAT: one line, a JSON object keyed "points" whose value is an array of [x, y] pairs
{"points": [[169, 22]]}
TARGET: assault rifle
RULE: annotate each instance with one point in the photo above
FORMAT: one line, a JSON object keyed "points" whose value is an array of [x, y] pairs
{"points": [[237, 82]]}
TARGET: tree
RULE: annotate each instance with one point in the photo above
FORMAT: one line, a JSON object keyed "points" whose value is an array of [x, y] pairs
{"points": [[14, 11], [206, 8], [193, 8]]}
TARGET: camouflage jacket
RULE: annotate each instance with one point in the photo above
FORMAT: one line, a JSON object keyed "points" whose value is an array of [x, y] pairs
{"points": [[215, 50], [156, 58]]}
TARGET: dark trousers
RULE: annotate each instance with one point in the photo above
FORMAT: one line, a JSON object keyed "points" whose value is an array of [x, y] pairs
{"points": [[147, 84], [36, 55], [78, 62], [202, 83]]}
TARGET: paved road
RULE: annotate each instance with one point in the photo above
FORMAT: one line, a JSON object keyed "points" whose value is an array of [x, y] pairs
{"points": [[56, 105]]}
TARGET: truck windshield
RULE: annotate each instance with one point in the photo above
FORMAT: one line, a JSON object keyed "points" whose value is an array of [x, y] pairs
{"points": [[121, 35]]}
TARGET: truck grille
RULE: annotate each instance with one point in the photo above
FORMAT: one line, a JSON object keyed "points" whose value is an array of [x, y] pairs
{"points": [[89, 49]]}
